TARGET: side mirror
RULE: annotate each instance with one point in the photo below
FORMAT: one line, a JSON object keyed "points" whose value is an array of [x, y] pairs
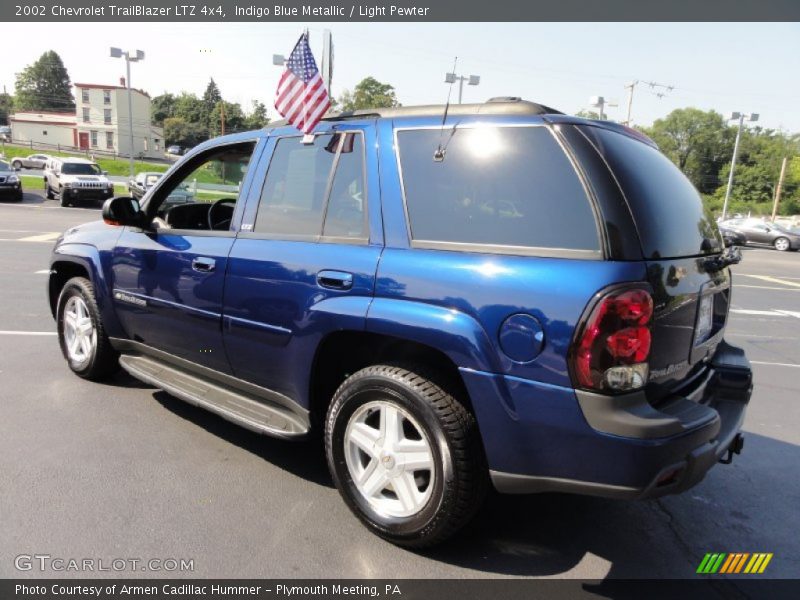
{"points": [[104, 172], [123, 210]]}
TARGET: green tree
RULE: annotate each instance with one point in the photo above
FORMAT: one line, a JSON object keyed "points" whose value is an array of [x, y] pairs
{"points": [[587, 114], [44, 85], [698, 142], [258, 116], [234, 118], [162, 107], [6, 107], [178, 130], [761, 152], [368, 93], [211, 97], [190, 108]]}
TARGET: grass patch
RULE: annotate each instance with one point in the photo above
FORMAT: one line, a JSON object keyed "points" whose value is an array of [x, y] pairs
{"points": [[114, 166]]}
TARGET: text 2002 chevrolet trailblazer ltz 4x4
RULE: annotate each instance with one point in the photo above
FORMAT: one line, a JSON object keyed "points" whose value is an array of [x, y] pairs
{"points": [[512, 297]]}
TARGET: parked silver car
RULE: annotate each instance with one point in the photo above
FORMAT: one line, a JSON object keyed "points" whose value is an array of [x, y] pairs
{"points": [[139, 185], [34, 161]]}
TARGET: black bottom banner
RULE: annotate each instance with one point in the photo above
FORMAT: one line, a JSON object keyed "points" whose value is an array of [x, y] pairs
{"points": [[405, 589]]}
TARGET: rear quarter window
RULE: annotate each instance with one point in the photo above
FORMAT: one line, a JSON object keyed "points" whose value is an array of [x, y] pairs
{"points": [[668, 210], [503, 189]]}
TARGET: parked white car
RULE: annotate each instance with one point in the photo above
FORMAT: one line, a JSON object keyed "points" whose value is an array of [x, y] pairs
{"points": [[76, 180]]}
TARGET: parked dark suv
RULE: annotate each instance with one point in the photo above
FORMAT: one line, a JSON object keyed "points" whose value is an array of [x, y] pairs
{"points": [[512, 297]]}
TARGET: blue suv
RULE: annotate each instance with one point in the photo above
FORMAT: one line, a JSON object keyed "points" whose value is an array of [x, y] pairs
{"points": [[501, 296]]}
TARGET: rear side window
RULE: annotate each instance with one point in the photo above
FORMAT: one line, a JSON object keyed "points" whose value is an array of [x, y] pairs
{"points": [[668, 210], [496, 187]]}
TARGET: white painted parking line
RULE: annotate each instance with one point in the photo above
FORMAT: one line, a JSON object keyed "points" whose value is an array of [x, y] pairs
{"points": [[765, 287], [773, 364], [27, 332], [772, 279], [42, 237], [789, 313], [763, 313]]}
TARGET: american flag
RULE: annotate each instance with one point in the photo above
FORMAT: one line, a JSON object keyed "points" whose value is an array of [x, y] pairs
{"points": [[302, 97]]}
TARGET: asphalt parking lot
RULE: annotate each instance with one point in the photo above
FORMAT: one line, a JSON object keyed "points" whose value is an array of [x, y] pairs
{"points": [[121, 470]]}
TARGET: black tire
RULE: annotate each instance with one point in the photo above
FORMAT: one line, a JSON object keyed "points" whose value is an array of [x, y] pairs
{"points": [[62, 197], [461, 475], [103, 360], [48, 193], [783, 242], [16, 164]]}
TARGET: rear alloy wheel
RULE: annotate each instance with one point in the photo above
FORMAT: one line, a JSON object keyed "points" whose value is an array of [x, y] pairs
{"points": [[16, 164], [81, 335], [781, 244], [405, 455]]}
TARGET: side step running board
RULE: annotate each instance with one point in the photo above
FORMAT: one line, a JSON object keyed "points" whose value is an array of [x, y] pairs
{"points": [[270, 419]]}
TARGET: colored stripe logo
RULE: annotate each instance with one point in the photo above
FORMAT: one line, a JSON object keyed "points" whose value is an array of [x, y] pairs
{"points": [[734, 562]]}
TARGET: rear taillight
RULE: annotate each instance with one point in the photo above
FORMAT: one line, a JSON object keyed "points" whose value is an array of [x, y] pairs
{"points": [[610, 353]]}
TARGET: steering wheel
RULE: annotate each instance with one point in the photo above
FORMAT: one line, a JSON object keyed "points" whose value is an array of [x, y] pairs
{"points": [[214, 222]]}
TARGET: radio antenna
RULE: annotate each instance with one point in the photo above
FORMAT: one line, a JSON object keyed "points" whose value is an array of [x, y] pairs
{"points": [[438, 156]]}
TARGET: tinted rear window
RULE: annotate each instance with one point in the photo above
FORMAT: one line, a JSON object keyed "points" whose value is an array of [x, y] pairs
{"points": [[497, 186], [667, 208]]}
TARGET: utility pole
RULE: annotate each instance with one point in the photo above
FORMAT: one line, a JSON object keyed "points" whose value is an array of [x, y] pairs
{"points": [[653, 85], [779, 188], [630, 87]]}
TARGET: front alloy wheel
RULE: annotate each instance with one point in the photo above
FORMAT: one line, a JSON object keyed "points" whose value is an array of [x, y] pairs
{"points": [[81, 333], [781, 244]]}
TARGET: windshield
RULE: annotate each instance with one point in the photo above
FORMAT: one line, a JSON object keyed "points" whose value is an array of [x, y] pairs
{"points": [[80, 169], [4, 166]]}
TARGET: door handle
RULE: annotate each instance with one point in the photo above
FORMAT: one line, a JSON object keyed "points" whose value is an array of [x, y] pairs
{"points": [[335, 280], [202, 264]]}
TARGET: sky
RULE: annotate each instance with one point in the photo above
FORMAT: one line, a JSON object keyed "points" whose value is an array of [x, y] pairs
{"points": [[746, 67]]}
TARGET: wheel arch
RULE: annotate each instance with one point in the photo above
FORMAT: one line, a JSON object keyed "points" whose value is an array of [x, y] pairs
{"points": [[342, 353], [82, 260]]}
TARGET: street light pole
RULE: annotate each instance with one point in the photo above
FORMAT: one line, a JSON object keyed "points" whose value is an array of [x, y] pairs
{"points": [[471, 80], [117, 53], [130, 111], [741, 117]]}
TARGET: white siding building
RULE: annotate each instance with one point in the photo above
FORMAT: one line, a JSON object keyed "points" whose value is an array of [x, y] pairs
{"points": [[52, 128], [100, 123]]}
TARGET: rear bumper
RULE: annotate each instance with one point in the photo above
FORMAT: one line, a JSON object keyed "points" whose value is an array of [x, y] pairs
{"points": [[620, 447]]}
